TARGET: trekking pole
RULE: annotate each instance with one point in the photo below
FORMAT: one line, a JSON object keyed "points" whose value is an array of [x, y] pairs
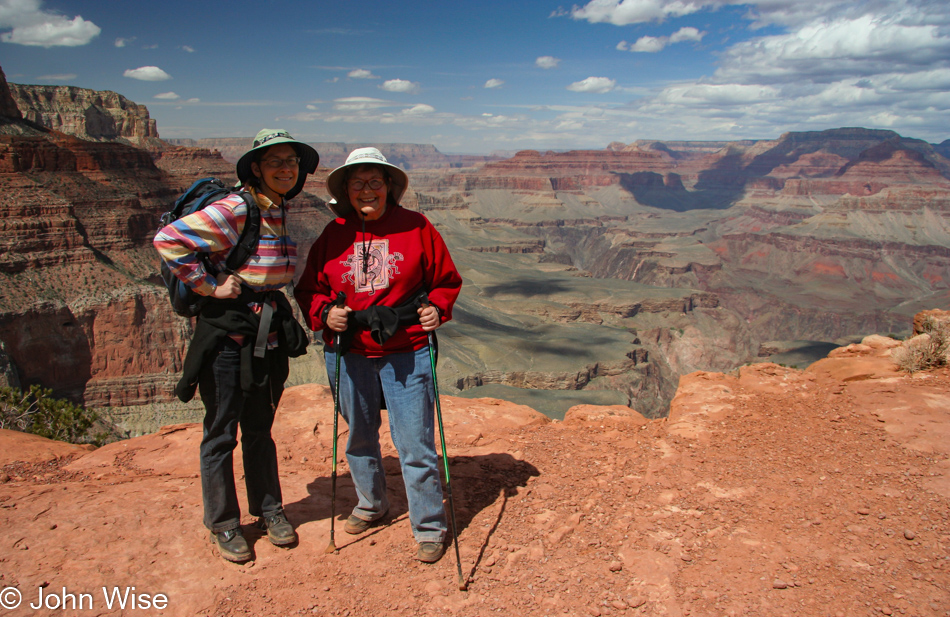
{"points": [[463, 586], [331, 547]]}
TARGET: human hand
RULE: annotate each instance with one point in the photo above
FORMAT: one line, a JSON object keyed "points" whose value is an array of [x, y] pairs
{"points": [[229, 286], [429, 318], [337, 317]]}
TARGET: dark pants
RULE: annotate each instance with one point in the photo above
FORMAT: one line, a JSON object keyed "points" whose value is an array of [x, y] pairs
{"points": [[227, 407]]}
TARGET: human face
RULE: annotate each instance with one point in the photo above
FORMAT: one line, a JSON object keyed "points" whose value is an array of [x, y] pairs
{"points": [[276, 181], [370, 203]]}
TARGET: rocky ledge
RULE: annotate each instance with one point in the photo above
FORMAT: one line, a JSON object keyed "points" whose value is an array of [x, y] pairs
{"points": [[768, 491]]}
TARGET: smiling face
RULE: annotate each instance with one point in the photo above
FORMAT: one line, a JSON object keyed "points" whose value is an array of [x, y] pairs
{"points": [[276, 172], [369, 202]]}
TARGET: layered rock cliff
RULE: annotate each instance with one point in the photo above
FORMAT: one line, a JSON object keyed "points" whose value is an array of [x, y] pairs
{"points": [[87, 114], [82, 310]]}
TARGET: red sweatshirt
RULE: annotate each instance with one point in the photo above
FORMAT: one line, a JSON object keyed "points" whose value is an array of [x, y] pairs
{"points": [[399, 253]]}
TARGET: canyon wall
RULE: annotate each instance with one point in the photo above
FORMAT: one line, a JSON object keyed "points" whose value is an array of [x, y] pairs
{"points": [[604, 274], [799, 242], [87, 114], [82, 310]]}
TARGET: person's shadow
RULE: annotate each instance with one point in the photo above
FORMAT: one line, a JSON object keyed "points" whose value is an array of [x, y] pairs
{"points": [[477, 482]]}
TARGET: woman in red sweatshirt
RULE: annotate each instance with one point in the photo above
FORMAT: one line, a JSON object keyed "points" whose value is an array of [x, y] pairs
{"points": [[399, 284]]}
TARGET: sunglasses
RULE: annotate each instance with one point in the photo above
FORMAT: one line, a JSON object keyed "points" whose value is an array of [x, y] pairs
{"points": [[275, 163]]}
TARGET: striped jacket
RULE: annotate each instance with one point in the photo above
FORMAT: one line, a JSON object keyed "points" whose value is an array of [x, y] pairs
{"points": [[215, 229]]}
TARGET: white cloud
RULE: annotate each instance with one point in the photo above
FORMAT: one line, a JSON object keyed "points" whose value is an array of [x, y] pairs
{"points": [[547, 62], [721, 95], [420, 109], [121, 42], [649, 44], [825, 51], [367, 110], [147, 73], [167, 96], [400, 85], [760, 12], [653, 44], [494, 83], [824, 64], [30, 25], [188, 48], [625, 12], [598, 85], [687, 34], [361, 74], [61, 77], [359, 103]]}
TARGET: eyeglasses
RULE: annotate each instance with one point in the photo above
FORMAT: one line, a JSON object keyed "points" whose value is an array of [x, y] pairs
{"points": [[275, 163], [374, 184]]}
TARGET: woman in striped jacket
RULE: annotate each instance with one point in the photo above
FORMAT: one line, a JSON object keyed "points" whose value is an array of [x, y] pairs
{"points": [[239, 371]]}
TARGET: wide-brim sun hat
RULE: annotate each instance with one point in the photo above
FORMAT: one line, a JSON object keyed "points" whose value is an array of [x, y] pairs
{"points": [[399, 180], [309, 159]]}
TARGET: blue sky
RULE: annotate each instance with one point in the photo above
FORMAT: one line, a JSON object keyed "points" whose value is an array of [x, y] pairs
{"points": [[484, 76]]}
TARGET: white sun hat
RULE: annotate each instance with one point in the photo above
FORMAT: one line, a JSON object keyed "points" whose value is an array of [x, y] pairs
{"points": [[340, 204]]}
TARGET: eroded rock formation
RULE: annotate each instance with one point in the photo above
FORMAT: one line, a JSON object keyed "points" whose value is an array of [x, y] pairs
{"points": [[88, 114]]}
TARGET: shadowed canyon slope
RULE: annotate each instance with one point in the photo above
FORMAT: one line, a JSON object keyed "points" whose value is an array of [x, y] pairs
{"points": [[768, 492], [591, 277]]}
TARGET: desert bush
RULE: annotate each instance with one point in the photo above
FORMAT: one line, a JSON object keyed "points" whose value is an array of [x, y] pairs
{"points": [[37, 412], [928, 349]]}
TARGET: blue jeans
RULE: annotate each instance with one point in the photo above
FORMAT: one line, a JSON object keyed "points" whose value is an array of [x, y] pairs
{"points": [[226, 408], [405, 379]]}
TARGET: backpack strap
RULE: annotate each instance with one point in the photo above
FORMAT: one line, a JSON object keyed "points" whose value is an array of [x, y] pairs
{"points": [[250, 235]]}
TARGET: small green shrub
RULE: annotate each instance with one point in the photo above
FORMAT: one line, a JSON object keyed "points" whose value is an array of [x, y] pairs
{"points": [[928, 349], [37, 412]]}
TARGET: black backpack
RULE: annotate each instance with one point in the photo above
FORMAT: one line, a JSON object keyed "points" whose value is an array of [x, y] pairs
{"points": [[184, 300]]}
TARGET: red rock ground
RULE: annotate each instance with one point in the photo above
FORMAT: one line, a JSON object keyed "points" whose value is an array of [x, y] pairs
{"points": [[768, 492]]}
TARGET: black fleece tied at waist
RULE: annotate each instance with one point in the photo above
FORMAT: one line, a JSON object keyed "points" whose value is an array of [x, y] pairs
{"points": [[220, 318], [383, 321]]}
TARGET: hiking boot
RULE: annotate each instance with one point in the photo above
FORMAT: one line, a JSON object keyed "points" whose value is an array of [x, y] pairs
{"points": [[430, 552], [232, 545], [355, 525], [279, 530]]}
